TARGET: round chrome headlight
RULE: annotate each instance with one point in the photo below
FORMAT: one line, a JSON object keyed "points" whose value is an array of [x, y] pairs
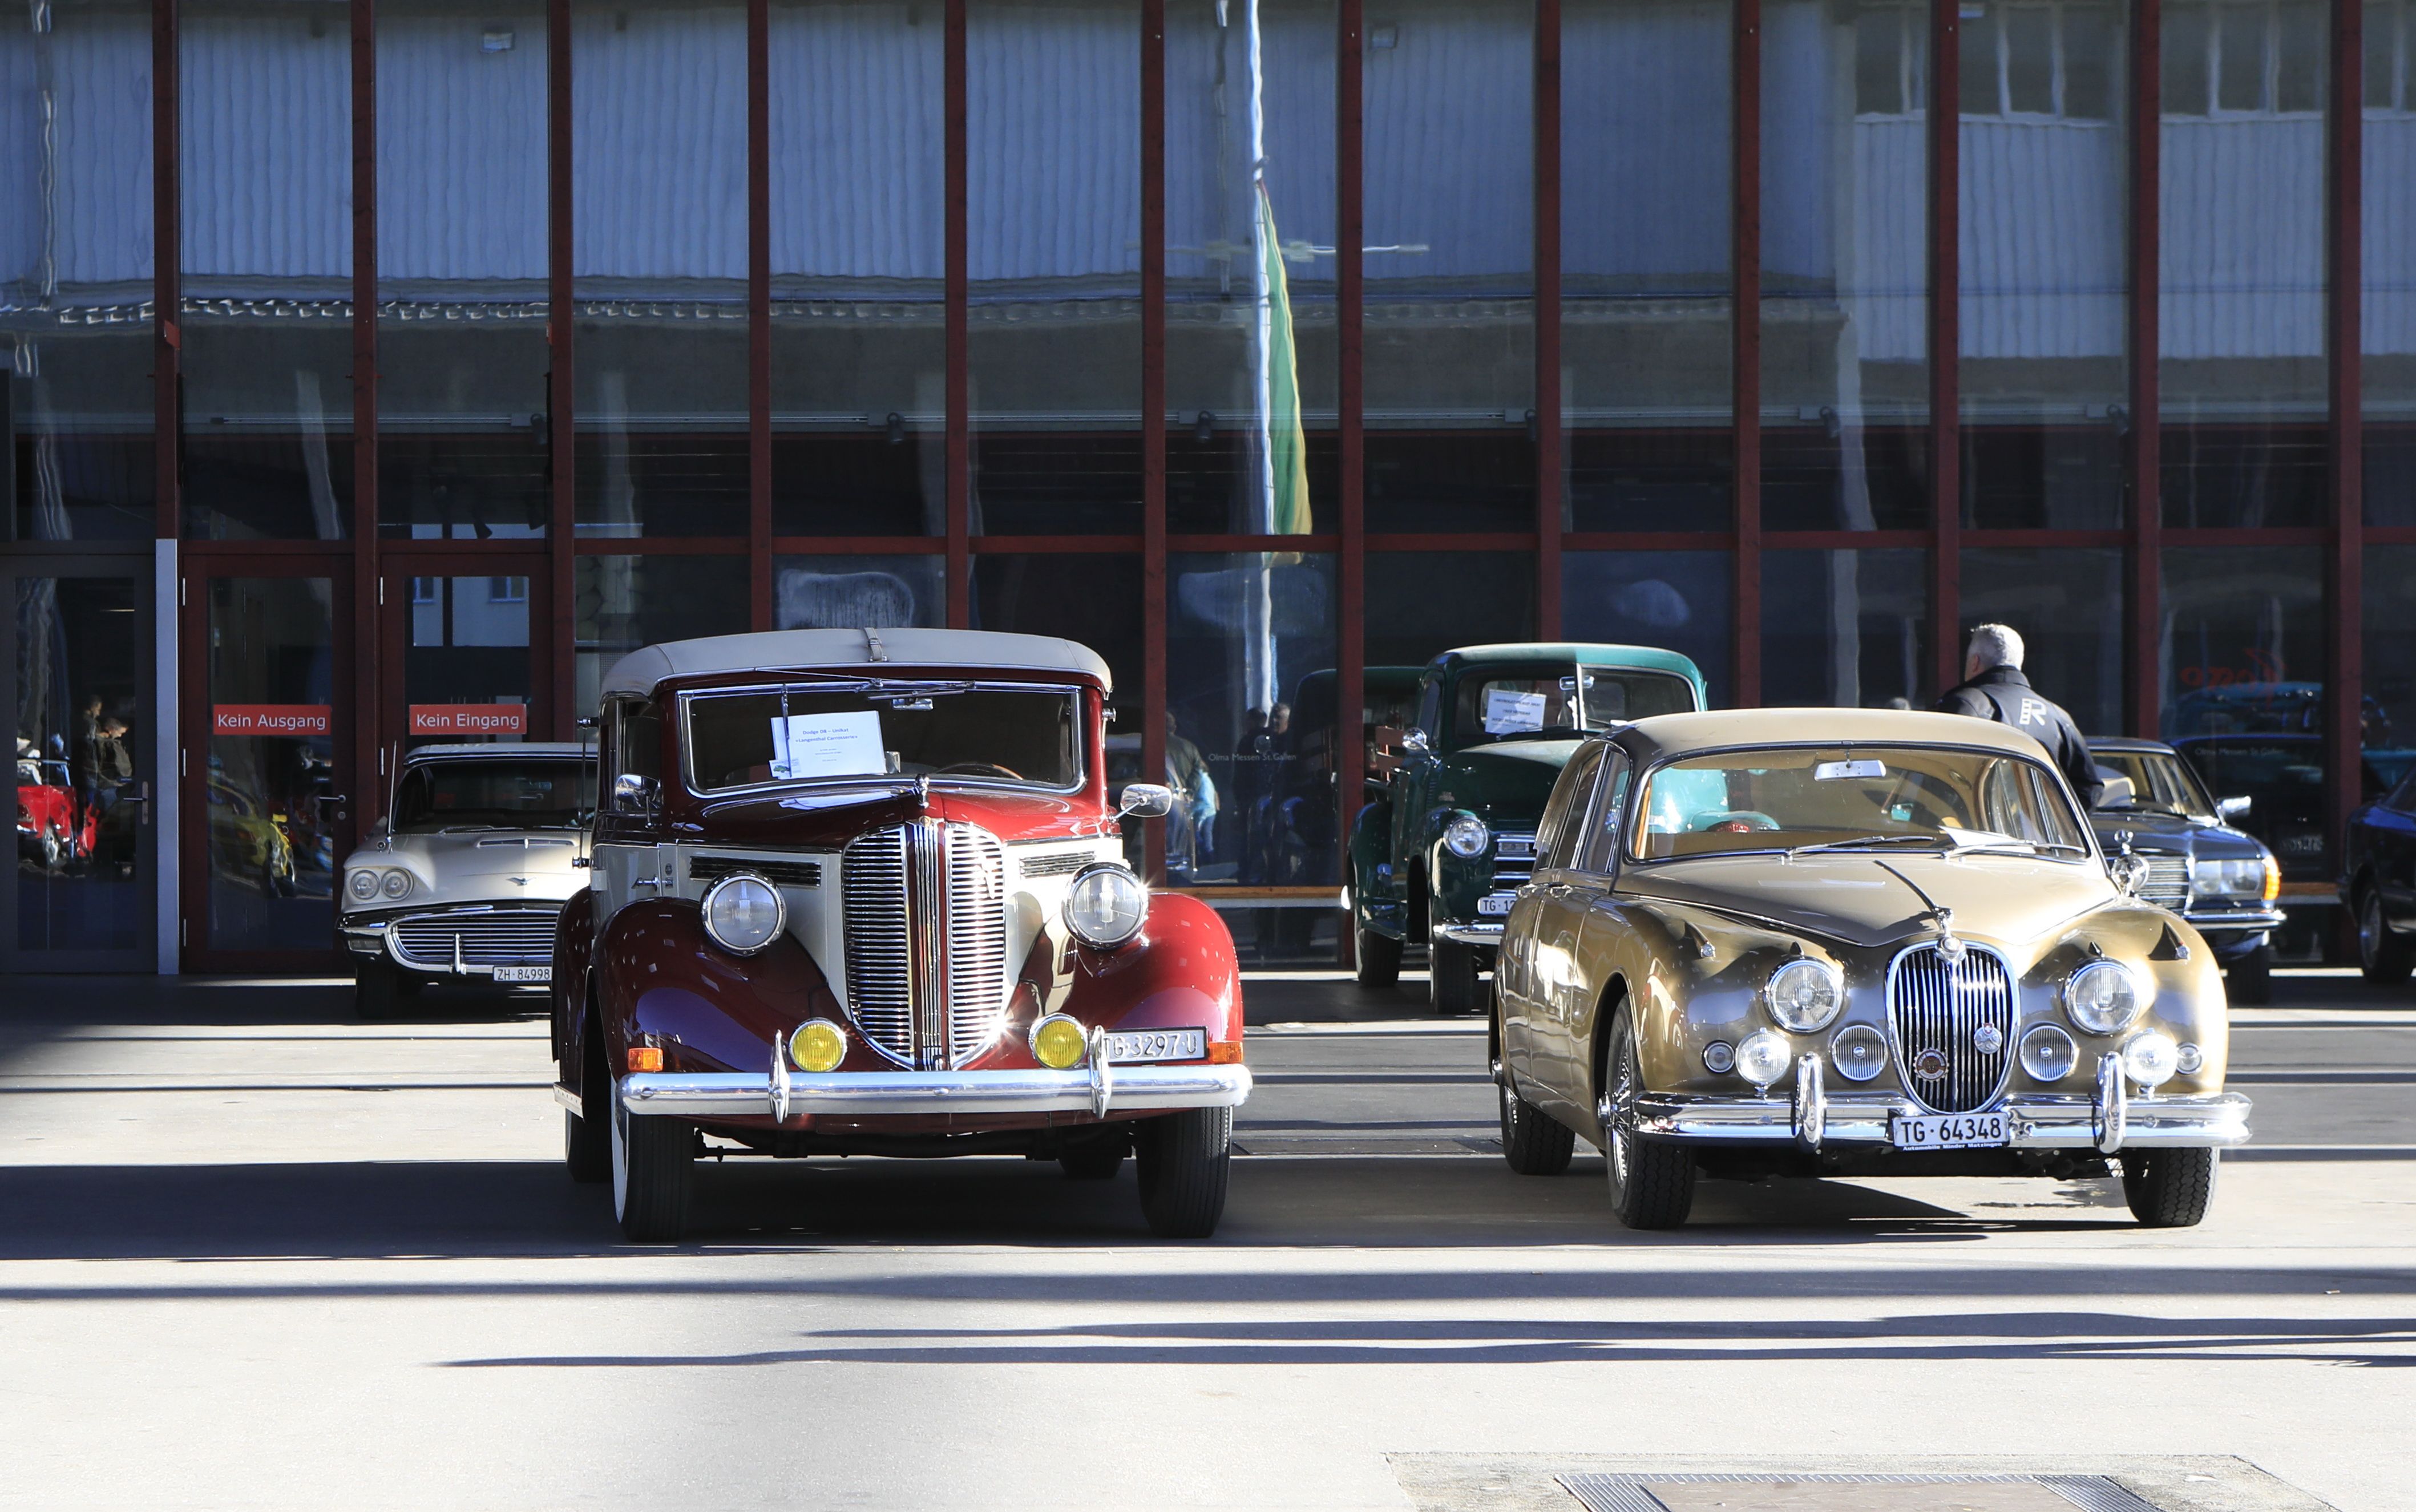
{"points": [[1466, 836], [2049, 1055], [396, 884], [363, 885], [2104, 996], [1106, 906], [1859, 1053], [743, 912], [1804, 995], [1762, 1058], [2150, 1059]]}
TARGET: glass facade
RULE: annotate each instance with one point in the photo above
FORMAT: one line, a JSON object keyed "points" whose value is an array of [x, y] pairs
{"points": [[978, 312]]}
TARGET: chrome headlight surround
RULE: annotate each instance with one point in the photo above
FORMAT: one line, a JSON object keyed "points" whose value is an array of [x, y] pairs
{"points": [[728, 904], [2106, 997], [362, 886], [1466, 836], [1106, 906], [395, 885], [1804, 995]]}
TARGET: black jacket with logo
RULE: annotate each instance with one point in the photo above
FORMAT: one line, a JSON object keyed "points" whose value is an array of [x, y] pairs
{"points": [[2004, 695]]}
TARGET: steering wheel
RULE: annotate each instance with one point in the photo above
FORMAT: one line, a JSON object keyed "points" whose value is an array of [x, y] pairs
{"points": [[981, 769]]}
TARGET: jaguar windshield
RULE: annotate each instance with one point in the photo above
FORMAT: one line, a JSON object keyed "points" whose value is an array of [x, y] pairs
{"points": [[1544, 704], [804, 734], [1880, 799], [502, 794]]}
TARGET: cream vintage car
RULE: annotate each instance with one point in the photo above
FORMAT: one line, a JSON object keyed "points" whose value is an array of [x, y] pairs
{"points": [[465, 877], [1849, 942]]}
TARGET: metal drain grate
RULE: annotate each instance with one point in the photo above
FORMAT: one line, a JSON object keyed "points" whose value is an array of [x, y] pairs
{"points": [[1634, 1493]]}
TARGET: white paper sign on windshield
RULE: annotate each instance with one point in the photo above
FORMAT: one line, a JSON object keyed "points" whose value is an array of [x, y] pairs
{"points": [[827, 745], [1507, 713]]}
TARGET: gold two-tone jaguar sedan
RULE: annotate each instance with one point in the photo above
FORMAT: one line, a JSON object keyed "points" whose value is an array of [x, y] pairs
{"points": [[1852, 943]]}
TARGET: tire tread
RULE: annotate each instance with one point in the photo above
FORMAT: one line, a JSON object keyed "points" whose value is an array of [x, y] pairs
{"points": [[1182, 1161]]}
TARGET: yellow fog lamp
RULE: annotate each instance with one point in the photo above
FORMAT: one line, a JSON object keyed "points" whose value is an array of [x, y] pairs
{"points": [[818, 1045], [1059, 1043]]}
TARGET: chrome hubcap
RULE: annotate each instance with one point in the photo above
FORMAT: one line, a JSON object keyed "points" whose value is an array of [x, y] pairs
{"points": [[1623, 1113]]}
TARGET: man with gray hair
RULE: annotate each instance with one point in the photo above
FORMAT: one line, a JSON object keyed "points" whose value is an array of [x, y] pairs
{"points": [[1993, 687]]}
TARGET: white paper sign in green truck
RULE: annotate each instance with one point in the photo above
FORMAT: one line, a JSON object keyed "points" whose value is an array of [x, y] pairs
{"points": [[1449, 835]]}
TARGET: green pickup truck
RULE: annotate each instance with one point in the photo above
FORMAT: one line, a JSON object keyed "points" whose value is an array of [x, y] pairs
{"points": [[1448, 835]]}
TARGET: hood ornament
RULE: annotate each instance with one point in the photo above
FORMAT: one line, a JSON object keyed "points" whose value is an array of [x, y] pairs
{"points": [[923, 791], [1950, 949]]}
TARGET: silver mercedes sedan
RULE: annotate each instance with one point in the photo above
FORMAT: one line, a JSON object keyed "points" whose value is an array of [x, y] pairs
{"points": [[464, 879]]}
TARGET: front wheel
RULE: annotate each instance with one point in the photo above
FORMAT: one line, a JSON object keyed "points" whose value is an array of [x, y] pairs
{"points": [[1652, 1185], [653, 1166], [2249, 980], [1453, 985], [1534, 1142], [2170, 1189], [1377, 957], [2382, 956], [586, 1140], [1182, 1160]]}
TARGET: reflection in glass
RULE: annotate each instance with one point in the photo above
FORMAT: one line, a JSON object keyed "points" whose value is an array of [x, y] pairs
{"points": [[624, 602], [857, 211], [468, 643], [660, 190], [75, 273], [823, 592], [1645, 301], [1676, 600], [83, 758], [271, 827], [1845, 628], [2044, 234], [1093, 600], [267, 97], [1450, 265], [461, 291], [2241, 317], [2387, 302], [1053, 195], [1845, 272], [1250, 731], [2389, 642], [1250, 329], [1421, 604], [2067, 603]]}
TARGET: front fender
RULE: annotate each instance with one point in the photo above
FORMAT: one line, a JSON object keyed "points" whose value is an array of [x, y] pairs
{"points": [[659, 974], [574, 946], [1375, 887], [1180, 973]]}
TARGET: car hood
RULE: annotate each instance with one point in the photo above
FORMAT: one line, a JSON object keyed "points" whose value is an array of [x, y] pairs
{"points": [[481, 865], [1509, 779], [1872, 900], [2150, 831], [832, 815]]}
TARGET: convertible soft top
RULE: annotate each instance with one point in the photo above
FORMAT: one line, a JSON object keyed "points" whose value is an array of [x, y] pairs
{"points": [[645, 669]]}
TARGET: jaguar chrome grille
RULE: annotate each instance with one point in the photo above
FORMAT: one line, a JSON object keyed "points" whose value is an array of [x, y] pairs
{"points": [[925, 908], [518, 937], [1943, 1013], [2169, 880]]}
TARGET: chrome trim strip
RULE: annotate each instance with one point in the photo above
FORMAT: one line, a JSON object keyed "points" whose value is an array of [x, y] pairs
{"points": [[567, 1098], [2236, 919], [2046, 1121], [857, 1093], [1468, 933]]}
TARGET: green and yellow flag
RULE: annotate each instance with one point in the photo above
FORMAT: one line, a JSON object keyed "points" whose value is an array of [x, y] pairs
{"points": [[1286, 447]]}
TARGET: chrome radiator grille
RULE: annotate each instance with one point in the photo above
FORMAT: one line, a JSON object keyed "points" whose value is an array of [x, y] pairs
{"points": [[2169, 880], [926, 915], [1514, 861], [1943, 1014], [522, 937]]}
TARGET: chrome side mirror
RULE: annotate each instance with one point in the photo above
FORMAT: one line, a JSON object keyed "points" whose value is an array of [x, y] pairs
{"points": [[1145, 800], [1414, 739], [2232, 808], [634, 793]]}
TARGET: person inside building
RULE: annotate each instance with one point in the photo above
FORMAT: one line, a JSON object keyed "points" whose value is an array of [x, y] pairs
{"points": [[1993, 688]]}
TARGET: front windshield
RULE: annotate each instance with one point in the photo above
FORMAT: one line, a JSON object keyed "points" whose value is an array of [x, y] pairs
{"points": [[1537, 704], [798, 735], [1873, 799], [2159, 783], [523, 793]]}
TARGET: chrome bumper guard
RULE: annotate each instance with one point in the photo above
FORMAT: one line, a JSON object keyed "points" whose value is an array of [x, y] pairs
{"points": [[785, 1094], [1470, 935], [2112, 1120]]}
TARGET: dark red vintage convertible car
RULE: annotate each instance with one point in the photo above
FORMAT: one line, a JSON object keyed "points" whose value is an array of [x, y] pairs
{"points": [[861, 892]]}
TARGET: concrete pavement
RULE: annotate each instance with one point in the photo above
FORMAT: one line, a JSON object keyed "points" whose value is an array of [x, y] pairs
{"points": [[254, 1252]]}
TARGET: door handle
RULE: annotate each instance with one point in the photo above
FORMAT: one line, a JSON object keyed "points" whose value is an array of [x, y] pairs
{"points": [[144, 799]]}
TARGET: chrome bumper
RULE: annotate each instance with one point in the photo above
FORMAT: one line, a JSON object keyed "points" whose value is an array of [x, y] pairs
{"points": [[1469, 934], [1092, 1089], [2236, 920], [2111, 1119]]}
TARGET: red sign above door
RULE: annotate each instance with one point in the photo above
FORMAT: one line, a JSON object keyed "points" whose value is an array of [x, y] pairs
{"points": [[269, 720], [469, 718]]}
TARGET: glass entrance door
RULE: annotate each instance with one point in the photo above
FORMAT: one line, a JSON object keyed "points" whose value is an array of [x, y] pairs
{"points": [[267, 807], [460, 641], [76, 654]]}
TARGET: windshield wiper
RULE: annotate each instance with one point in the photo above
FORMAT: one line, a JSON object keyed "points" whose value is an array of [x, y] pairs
{"points": [[1932, 841], [2025, 847]]}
